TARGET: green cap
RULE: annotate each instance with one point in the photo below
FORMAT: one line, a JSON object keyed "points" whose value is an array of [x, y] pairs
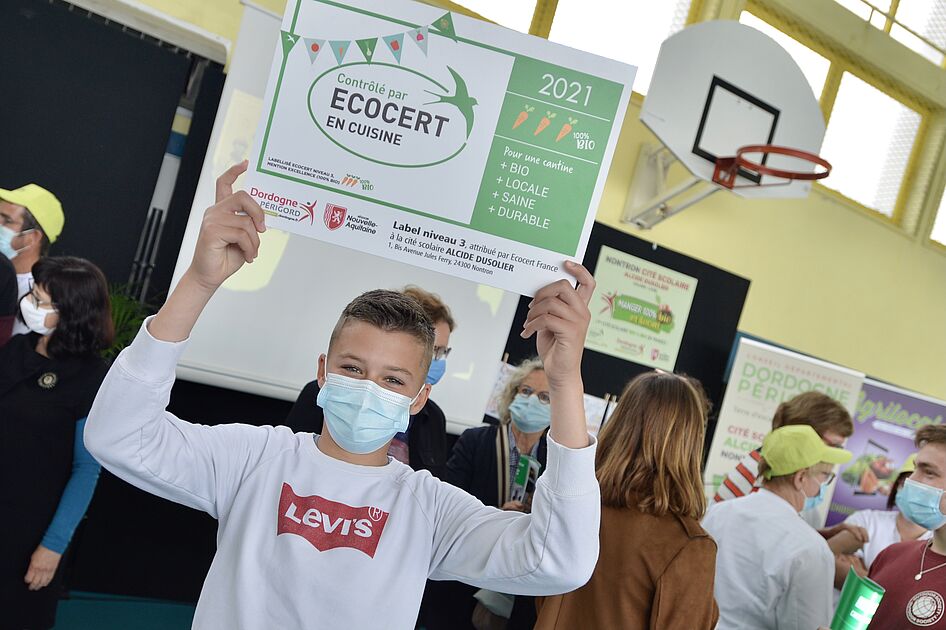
{"points": [[42, 204], [795, 447]]}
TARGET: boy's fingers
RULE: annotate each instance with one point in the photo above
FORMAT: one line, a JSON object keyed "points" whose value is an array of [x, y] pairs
{"points": [[226, 179], [240, 203], [553, 306], [242, 222], [557, 288], [586, 281], [551, 323], [240, 238]]}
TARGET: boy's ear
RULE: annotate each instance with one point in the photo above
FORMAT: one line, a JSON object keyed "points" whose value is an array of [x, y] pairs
{"points": [[421, 399], [320, 375]]}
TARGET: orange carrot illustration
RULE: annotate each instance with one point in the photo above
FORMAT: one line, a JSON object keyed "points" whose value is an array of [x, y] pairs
{"points": [[566, 129], [523, 115], [545, 122]]}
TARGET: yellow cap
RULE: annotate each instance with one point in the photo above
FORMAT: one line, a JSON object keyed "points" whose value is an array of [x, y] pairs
{"points": [[795, 447], [908, 466], [42, 204]]}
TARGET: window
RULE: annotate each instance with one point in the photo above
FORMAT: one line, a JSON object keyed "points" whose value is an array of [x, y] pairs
{"points": [[627, 31], [514, 14], [868, 142], [927, 19], [813, 66], [939, 226]]}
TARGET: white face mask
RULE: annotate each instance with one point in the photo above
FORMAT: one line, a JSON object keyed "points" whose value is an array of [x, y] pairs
{"points": [[34, 316]]}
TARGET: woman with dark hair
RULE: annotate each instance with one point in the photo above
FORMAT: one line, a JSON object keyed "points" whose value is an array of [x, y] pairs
{"points": [[48, 380], [656, 563]]}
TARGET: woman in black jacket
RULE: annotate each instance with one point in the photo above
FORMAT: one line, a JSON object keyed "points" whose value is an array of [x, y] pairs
{"points": [[484, 462], [48, 379]]}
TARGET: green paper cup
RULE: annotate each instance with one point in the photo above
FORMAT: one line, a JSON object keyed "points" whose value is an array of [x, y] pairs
{"points": [[860, 598]]}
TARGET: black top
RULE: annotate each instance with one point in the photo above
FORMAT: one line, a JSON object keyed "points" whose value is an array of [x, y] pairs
{"points": [[41, 399], [426, 433], [473, 463], [9, 293]]}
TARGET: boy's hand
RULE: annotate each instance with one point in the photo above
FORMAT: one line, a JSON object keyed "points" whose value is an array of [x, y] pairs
{"points": [[229, 233], [229, 237], [559, 316]]}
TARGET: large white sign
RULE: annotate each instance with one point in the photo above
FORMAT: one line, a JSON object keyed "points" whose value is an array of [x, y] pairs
{"points": [[435, 139]]}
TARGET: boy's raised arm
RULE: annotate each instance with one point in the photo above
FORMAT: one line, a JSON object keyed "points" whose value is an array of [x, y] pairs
{"points": [[229, 236], [129, 430], [558, 317], [554, 549]]}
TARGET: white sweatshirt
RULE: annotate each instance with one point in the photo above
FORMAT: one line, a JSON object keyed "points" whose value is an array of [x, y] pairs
{"points": [[309, 541]]}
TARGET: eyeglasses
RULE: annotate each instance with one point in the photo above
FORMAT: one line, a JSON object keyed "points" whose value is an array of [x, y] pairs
{"points": [[829, 477], [35, 299], [441, 352], [527, 391]]}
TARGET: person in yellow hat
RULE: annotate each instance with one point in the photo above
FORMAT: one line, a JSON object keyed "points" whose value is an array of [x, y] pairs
{"points": [[31, 219], [772, 569], [885, 527]]}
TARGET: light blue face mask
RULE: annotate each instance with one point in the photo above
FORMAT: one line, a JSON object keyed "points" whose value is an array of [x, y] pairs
{"points": [[813, 502], [920, 503], [530, 415], [363, 416], [6, 242], [438, 367]]}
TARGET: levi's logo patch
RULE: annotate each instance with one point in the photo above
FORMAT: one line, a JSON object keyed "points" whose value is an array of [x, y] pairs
{"points": [[329, 524]]}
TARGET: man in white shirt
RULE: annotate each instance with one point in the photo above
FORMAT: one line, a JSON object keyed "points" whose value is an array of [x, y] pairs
{"points": [[328, 531], [773, 571], [31, 218]]}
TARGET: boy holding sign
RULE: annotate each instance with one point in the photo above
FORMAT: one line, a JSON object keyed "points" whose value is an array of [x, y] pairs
{"points": [[327, 531]]}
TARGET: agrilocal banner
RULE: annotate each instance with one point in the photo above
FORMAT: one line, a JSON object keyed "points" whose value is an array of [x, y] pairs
{"points": [[886, 419]]}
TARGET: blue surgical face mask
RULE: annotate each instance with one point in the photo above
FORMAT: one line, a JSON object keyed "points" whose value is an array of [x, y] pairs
{"points": [[438, 367], [920, 503], [813, 502], [529, 415], [362, 415], [6, 242]]}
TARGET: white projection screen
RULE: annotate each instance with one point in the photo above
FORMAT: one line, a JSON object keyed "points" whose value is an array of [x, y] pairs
{"points": [[264, 329]]}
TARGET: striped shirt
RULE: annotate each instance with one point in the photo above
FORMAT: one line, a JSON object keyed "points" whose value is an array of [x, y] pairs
{"points": [[741, 480]]}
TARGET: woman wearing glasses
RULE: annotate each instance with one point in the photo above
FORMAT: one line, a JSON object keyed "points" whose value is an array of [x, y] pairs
{"points": [[48, 379], [484, 463], [424, 445]]}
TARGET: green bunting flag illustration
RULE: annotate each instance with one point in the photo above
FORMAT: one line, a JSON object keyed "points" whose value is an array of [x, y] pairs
{"points": [[339, 48], [313, 47], [288, 41], [395, 44], [444, 26], [367, 47]]}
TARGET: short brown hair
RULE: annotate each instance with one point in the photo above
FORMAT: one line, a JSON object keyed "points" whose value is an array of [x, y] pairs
{"points": [[930, 434], [436, 310], [391, 311], [649, 451], [821, 412]]}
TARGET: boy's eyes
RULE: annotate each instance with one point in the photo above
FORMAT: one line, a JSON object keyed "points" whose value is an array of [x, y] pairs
{"points": [[391, 380]]}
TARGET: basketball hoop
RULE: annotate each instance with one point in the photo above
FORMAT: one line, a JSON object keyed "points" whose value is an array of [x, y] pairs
{"points": [[727, 168]]}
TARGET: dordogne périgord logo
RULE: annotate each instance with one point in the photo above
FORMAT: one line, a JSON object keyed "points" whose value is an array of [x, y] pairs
{"points": [[328, 524], [309, 211], [334, 216]]}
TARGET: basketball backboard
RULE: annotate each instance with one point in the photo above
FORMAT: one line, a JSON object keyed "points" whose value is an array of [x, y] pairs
{"points": [[721, 85]]}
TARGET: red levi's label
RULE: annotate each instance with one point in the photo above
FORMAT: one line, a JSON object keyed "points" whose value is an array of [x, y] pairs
{"points": [[328, 524]]}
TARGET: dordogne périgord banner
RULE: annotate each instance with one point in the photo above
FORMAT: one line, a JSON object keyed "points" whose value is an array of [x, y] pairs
{"points": [[435, 139]]}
